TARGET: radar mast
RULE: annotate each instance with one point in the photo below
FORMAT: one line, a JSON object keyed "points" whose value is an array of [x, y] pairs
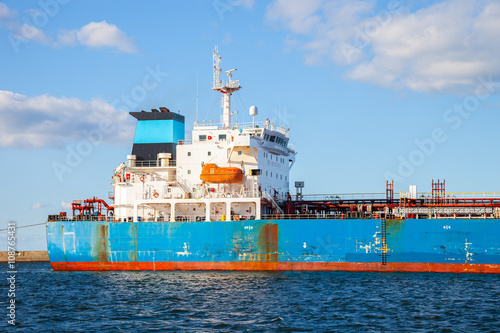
{"points": [[225, 87]]}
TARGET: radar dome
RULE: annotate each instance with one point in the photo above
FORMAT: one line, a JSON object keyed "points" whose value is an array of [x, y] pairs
{"points": [[254, 111]]}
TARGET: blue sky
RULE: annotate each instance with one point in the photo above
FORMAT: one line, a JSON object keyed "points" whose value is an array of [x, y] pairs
{"points": [[372, 90]]}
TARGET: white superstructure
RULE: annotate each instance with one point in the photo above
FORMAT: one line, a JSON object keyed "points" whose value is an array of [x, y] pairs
{"points": [[165, 190]]}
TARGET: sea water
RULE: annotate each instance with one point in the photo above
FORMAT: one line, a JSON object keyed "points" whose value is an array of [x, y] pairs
{"points": [[48, 301]]}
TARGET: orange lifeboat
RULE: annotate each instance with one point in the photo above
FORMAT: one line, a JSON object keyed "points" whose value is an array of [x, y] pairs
{"points": [[211, 173]]}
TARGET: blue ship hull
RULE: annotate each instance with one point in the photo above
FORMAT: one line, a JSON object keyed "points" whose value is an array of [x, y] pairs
{"points": [[415, 245]]}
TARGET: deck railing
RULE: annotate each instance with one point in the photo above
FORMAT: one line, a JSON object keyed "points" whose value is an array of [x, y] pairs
{"points": [[152, 163], [381, 196], [341, 196], [462, 195], [338, 216]]}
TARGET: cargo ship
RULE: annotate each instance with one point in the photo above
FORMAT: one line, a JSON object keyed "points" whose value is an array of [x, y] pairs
{"points": [[222, 201]]}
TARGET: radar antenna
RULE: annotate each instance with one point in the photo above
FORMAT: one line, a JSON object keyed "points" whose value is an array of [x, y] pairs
{"points": [[216, 84], [227, 88]]}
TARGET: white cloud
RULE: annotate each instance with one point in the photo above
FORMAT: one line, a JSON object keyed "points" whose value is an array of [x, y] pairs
{"points": [[443, 47], [38, 205], [20, 32], [65, 205], [5, 12], [66, 37], [298, 16], [94, 34], [97, 35], [31, 33], [102, 34], [47, 121], [248, 4]]}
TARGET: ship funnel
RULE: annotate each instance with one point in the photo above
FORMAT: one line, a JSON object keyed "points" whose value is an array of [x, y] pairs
{"points": [[157, 132]]}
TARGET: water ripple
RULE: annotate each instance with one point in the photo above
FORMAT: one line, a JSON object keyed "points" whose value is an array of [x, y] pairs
{"points": [[48, 301]]}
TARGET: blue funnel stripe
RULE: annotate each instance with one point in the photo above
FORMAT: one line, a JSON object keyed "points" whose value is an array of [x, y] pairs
{"points": [[159, 131]]}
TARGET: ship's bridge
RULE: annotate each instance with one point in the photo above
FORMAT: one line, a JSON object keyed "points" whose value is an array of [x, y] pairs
{"points": [[275, 138]]}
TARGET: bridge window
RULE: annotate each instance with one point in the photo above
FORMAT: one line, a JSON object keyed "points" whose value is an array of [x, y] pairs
{"points": [[203, 138], [272, 138], [222, 137]]}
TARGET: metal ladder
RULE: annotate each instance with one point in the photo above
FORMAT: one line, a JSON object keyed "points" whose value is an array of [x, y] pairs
{"points": [[184, 184], [255, 188], [273, 203], [383, 234]]}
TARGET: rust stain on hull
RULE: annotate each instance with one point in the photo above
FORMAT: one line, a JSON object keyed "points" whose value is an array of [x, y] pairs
{"points": [[63, 244], [268, 241], [100, 244], [133, 253], [395, 226]]}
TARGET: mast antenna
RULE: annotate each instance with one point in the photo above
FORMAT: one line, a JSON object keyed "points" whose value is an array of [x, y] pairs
{"points": [[227, 88], [216, 84]]}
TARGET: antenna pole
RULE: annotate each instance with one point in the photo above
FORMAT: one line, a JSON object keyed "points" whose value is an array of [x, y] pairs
{"points": [[279, 112], [196, 96]]}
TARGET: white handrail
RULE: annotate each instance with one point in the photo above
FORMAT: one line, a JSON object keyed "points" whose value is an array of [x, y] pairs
{"points": [[273, 203]]}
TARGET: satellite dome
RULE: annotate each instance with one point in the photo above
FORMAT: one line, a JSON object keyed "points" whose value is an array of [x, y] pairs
{"points": [[254, 111]]}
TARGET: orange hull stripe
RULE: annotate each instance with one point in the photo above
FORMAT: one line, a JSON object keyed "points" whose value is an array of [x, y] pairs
{"points": [[275, 266]]}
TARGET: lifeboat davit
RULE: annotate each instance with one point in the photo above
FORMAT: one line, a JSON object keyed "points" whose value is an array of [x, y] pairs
{"points": [[211, 173]]}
